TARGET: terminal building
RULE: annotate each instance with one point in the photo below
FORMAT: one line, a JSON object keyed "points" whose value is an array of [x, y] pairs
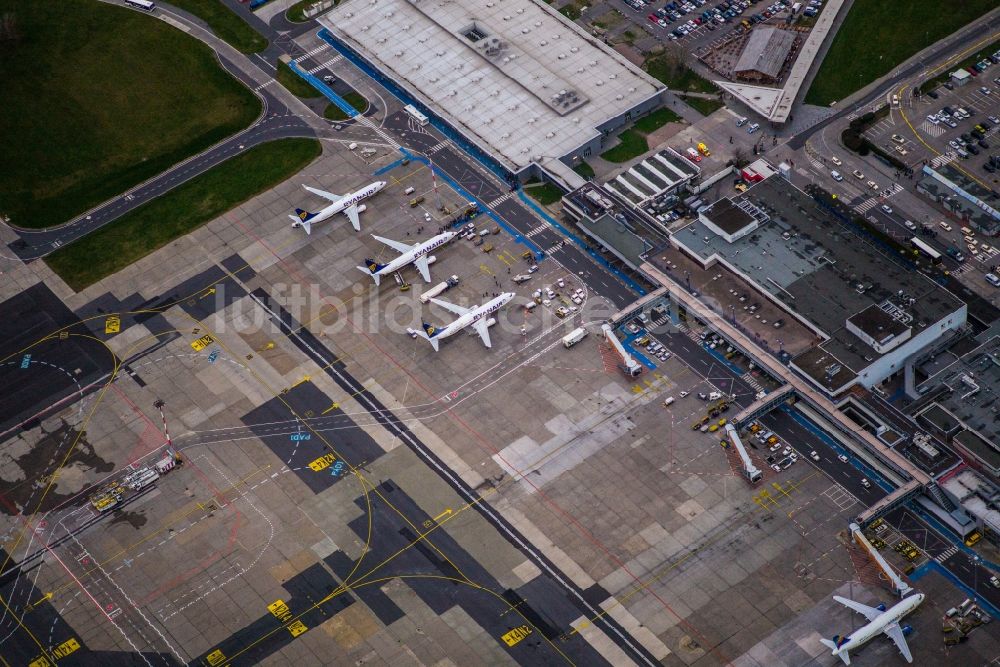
{"points": [[516, 78], [870, 313]]}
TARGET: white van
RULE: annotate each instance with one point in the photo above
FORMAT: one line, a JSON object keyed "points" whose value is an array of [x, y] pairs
{"points": [[741, 121], [836, 175], [669, 400], [409, 191], [992, 279]]}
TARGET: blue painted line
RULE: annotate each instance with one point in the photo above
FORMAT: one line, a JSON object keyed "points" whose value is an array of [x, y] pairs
{"points": [[634, 286], [933, 565], [518, 238], [806, 423], [325, 89], [627, 344], [399, 93], [386, 169]]}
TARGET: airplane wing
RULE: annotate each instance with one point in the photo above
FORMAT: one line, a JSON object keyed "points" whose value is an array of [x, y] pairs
{"points": [[483, 331], [871, 613], [352, 214], [395, 245], [424, 267], [895, 633], [458, 310], [323, 193]]}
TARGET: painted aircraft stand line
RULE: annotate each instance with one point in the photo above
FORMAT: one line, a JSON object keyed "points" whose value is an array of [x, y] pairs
{"points": [[346, 204], [478, 317], [880, 620], [418, 254]]}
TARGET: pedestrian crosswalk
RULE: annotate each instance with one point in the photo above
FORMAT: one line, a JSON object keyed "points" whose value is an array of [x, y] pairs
{"points": [[946, 554], [893, 189], [867, 205], [329, 63], [264, 85], [943, 159], [311, 53], [438, 146], [537, 230], [962, 270], [502, 198], [555, 248], [931, 129], [752, 381]]}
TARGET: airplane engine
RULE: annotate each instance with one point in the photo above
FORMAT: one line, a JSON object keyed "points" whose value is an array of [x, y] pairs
{"points": [[907, 630], [880, 607]]}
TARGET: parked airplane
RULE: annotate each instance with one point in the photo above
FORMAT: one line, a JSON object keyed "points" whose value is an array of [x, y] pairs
{"points": [[346, 204], [478, 317], [418, 255], [880, 620]]}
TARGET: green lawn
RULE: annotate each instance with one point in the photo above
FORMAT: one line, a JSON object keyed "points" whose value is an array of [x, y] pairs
{"points": [[585, 170], [983, 52], [97, 99], [656, 120], [704, 106], [571, 11], [180, 211], [686, 79], [294, 13], [295, 84], [633, 144], [356, 100], [878, 35], [544, 193], [225, 23]]}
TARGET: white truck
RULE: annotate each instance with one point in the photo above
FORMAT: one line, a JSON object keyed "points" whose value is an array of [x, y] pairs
{"points": [[438, 289], [574, 337]]}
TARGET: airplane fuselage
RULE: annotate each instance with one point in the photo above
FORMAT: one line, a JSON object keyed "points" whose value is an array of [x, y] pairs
{"points": [[425, 248], [877, 626], [349, 199], [476, 314]]}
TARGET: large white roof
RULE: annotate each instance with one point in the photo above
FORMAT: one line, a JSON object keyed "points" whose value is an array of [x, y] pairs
{"points": [[523, 81]]}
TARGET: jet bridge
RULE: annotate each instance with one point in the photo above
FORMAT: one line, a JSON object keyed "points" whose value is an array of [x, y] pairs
{"points": [[901, 586], [749, 469], [628, 364]]}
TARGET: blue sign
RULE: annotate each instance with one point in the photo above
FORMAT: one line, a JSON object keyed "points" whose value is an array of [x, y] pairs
{"points": [[213, 355], [297, 437], [26, 361], [337, 468]]}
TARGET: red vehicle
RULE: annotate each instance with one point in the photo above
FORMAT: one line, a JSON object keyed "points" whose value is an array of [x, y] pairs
{"points": [[653, 18]]}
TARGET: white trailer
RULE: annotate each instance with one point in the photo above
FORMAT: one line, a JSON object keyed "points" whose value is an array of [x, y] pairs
{"points": [[433, 292], [574, 337]]}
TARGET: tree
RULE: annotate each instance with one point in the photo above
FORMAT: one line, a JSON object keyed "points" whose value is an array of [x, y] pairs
{"points": [[740, 157]]}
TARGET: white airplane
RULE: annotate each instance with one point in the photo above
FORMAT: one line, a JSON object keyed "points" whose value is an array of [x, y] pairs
{"points": [[346, 204], [418, 255], [478, 317], [880, 620]]}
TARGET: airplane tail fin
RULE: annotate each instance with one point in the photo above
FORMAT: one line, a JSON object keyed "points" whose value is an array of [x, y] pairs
{"points": [[372, 268], [429, 332], [301, 219], [834, 644]]}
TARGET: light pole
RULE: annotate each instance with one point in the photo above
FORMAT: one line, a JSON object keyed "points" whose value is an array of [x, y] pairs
{"points": [[158, 404]]}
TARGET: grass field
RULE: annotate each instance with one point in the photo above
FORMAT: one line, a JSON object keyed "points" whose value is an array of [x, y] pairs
{"points": [[703, 105], [356, 100], [632, 144], [295, 84], [180, 211], [899, 29], [543, 193], [656, 120], [585, 170], [686, 79], [97, 99], [225, 23]]}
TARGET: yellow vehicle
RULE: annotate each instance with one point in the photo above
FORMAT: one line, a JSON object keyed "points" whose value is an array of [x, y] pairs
{"points": [[416, 201], [713, 428], [703, 149], [754, 427], [698, 424], [107, 497], [772, 440], [488, 247], [972, 539], [724, 443], [722, 422]]}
